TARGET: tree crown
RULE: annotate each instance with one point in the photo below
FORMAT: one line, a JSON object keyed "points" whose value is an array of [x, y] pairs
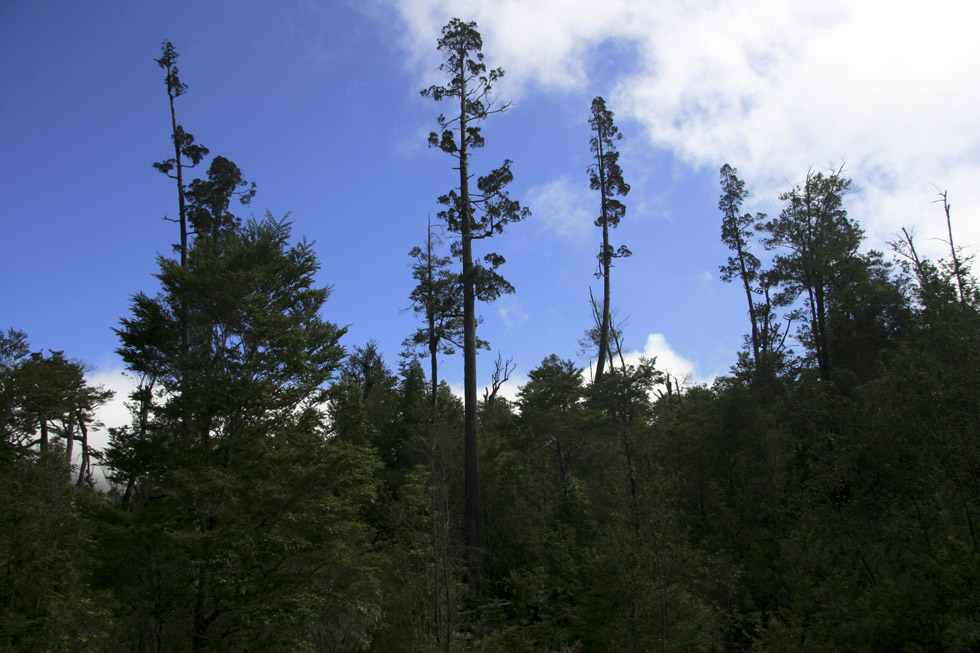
{"points": [[470, 82]]}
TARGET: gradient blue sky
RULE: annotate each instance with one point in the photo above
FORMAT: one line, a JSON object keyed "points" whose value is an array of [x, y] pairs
{"points": [[318, 103]]}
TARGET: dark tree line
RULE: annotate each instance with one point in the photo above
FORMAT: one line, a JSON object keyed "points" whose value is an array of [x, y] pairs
{"points": [[278, 490]]}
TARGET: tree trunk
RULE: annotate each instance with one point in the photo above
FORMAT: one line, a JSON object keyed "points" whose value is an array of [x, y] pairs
{"points": [[70, 437], [431, 317], [605, 261], [472, 509], [434, 375], [199, 640], [178, 165], [748, 298], [957, 270], [85, 465], [44, 435], [606, 312], [823, 355]]}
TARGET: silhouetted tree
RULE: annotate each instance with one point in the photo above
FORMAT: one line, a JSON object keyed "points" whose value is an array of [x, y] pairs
{"points": [[606, 177], [187, 154], [209, 199], [817, 241], [736, 229], [473, 215], [438, 299], [237, 479]]}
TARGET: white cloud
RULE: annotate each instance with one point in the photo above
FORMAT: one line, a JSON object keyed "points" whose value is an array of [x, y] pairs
{"points": [[114, 412], [458, 390], [667, 360], [657, 348], [889, 87], [512, 316], [509, 389], [563, 208]]}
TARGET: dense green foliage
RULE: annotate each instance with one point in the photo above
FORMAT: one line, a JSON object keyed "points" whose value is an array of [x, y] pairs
{"points": [[276, 491]]}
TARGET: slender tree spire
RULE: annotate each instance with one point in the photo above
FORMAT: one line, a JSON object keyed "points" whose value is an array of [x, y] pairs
{"points": [[735, 232], [606, 177], [473, 214], [186, 153]]}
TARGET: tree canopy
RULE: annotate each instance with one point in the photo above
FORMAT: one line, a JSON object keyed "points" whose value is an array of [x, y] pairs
{"points": [[280, 488]]}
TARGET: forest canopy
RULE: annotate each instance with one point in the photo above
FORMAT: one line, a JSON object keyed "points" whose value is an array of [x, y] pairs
{"points": [[279, 487]]}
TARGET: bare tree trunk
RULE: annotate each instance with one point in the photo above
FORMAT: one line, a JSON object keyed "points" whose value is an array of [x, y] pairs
{"points": [[85, 465], [178, 164], [748, 297], [501, 374], [957, 270], [202, 617], [201, 622], [44, 434], [431, 319], [823, 353], [70, 437], [434, 372]]}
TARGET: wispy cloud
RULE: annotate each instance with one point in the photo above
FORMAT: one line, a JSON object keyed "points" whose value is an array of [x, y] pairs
{"points": [[562, 207], [512, 315], [707, 281]]}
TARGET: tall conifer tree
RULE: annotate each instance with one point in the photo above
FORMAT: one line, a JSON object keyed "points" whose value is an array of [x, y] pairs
{"points": [[606, 177], [187, 154], [473, 214], [736, 229]]}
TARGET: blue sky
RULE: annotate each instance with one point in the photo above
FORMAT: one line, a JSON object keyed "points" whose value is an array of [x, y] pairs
{"points": [[318, 103]]}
